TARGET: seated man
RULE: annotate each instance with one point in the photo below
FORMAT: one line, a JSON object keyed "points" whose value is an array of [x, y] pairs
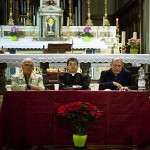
{"points": [[116, 78], [72, 78], [27, 79]]}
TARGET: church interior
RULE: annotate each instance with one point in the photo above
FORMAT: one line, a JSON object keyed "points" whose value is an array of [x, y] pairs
{"points": [[51, 31]]}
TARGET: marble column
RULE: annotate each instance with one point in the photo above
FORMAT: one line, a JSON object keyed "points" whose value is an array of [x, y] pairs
{"points": [[146, 26]]}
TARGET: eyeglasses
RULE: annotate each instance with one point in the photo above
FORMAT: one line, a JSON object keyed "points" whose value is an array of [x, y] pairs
{"points": [[28, 65]]}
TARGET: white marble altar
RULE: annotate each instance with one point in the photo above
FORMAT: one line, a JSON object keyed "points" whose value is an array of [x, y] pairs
{"points": [[28, 43], [104, 40], [105, 34], [77, 43]]}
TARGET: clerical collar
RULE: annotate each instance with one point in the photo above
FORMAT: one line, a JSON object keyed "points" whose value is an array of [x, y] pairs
{"points": [[73, 74]]}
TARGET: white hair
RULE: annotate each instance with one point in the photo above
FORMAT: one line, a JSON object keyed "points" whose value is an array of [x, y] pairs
{"points": [[28, 59]]}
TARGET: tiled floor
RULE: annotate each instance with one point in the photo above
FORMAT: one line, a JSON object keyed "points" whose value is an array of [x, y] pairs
{"points": [[69, 147]]}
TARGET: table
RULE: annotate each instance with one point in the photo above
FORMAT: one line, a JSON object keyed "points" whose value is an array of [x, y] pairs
{"points": [[30, 117]]}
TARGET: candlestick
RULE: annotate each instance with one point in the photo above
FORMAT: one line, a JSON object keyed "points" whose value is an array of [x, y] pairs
{"points": [[89, 21]]}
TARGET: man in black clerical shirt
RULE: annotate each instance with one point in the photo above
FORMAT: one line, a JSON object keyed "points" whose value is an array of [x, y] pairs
{"points": [[72, 78], [116, 78]]}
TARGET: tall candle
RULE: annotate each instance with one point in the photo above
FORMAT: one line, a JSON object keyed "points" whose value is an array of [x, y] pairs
{"points": [[117, 21], [34, 20], [103, 20], [135, 35], [67, 21], [123, 37]]}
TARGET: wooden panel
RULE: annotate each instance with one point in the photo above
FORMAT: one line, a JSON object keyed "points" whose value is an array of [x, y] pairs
{"points": [[58, 48]]}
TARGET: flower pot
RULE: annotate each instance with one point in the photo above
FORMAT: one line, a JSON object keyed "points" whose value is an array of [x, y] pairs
{"points": [[13, 38], [87, 38], [133, 51], [79, 140]]}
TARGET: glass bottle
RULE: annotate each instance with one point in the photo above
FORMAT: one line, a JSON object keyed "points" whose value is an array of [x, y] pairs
{"points": [[141, 79]]}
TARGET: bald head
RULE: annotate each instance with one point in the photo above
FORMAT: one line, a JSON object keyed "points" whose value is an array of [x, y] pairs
{"points": [[117, 59], [116, 65]]}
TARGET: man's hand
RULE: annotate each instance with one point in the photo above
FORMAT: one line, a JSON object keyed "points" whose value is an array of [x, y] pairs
{"points": [[124, 88], [118, 85]]}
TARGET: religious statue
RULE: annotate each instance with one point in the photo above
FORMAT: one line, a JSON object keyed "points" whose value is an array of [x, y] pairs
{"points": [[50, 26]]}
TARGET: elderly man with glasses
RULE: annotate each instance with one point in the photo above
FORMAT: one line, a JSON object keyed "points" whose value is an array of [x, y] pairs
{"points": [[27, 79]]}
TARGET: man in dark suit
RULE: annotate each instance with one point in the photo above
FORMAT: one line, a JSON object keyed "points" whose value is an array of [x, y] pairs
{"points": [[116, 78], [72, 77]]}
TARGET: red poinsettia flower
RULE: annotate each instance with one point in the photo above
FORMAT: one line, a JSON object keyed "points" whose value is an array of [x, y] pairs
{"points": [[80, 114]]}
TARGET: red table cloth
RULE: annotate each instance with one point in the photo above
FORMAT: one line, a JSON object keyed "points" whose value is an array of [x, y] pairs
{"points": [[30, 117]]}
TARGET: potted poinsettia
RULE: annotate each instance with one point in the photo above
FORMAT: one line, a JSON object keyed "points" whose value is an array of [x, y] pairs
{"points": [[80, 114]]}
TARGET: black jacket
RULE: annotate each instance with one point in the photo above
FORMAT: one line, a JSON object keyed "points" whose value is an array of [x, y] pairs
{"points": [[124, 78], [78, 79]]}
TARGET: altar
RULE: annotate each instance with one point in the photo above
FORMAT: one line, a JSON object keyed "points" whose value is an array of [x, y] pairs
{"points": [[104, 41], [77, 43], [50, 29]]}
